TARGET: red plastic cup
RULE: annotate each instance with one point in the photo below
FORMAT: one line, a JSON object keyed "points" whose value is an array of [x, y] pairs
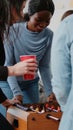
{"points": [[25, 57]]}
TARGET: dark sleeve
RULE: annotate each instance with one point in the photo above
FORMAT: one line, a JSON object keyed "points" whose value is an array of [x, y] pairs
{"points": [[2, 96], [3, 73], [3, 69]]}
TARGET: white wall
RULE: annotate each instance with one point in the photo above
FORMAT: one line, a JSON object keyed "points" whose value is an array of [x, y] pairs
{"points": [[60, 8]]}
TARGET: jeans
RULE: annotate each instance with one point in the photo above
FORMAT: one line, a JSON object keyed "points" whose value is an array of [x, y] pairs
{"points": [[6, 89], [30, 91]]}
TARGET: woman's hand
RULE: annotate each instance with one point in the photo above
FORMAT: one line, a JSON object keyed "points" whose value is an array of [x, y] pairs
{"points": [[9, 102], [24, 67], [19, 98]]}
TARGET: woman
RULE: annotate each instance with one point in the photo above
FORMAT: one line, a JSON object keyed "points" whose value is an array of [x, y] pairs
{"points": [[19, 69], [38, 43]]}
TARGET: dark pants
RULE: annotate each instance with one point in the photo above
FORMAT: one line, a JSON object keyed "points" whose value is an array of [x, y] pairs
{"points": [[4, 124]]}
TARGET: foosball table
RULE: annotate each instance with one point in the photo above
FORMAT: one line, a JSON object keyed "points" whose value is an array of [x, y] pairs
{"points": [[34, 117]]}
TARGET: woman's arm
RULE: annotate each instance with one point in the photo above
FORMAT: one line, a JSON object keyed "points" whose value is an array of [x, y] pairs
{"points": [[21, 68], [45, 70], [3, 73], [6, 102], [24, 67]]}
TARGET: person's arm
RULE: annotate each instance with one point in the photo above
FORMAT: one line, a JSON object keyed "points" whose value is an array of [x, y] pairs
{"points": [[6, 102], [3, 70], [27, 67], [24, 67], [10, 61], [45, 70], [20, 68], [67, 120], [2, 96], [3, 73]]}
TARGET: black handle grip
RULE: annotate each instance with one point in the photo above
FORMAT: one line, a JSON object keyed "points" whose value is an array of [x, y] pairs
{"points": [[15, 123]]}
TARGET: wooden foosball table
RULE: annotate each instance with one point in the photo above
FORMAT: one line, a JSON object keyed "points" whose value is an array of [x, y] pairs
{"points": [[33, 117]]}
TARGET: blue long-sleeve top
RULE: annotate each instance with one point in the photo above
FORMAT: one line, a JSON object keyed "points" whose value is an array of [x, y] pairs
{"points": [[62, 61], [62, 70], [21, 41]]}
